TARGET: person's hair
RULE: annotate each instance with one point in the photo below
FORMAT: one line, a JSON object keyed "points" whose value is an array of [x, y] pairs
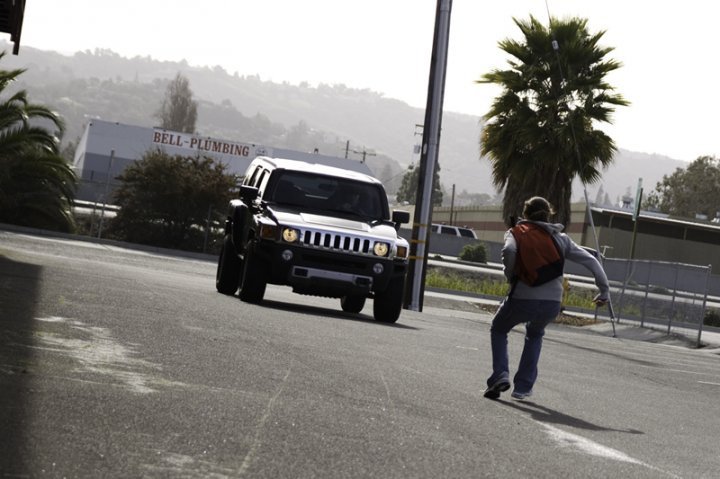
{"points": [[538, 208]]}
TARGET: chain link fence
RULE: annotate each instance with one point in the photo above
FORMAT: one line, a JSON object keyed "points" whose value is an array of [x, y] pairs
{"points": [[659, 294], [655, 294]]}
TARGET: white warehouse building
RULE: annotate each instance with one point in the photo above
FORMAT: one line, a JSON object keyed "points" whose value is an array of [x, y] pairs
{"points": [[107, 148]]}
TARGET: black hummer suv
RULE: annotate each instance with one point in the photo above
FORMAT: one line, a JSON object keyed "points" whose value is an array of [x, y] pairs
{"points": [[324, 231]]}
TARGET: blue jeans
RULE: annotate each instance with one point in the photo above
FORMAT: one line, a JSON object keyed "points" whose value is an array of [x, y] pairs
{"points": [[536, 314]]}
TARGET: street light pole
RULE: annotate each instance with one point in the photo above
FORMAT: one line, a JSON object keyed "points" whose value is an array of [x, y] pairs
{"points": [[430, 146]]}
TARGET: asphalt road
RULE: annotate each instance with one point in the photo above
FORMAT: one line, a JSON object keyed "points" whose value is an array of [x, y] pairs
{"points": [[120, 363]]}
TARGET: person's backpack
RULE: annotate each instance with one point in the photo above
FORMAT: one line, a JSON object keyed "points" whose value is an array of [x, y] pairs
{"points": [[538, 258]]}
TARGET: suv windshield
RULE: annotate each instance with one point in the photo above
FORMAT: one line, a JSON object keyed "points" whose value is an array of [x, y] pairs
{"points": [[333, 194]]}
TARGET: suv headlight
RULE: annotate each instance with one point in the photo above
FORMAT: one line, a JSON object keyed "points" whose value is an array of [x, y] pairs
{"points": [[290, 235], [381, 249]]}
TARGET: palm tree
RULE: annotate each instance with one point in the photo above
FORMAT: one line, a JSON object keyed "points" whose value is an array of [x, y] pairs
{"points": [[37, 185], [540, 131]]}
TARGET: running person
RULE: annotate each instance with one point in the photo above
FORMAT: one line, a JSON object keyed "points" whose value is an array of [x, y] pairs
{"points": [[536, 306]]}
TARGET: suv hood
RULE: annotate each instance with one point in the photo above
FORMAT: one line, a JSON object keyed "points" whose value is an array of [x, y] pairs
{"points": [[310, 220]]}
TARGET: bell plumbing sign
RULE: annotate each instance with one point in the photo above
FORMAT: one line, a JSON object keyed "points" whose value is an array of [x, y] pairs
{"points": [[209, 145]]}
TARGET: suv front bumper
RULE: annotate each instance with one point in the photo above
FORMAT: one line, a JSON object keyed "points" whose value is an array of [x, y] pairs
{"points": [[327, 273]]}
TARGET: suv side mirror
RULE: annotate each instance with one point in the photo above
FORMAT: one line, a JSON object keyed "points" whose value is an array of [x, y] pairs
{"points": [[399, 217], [248, 194]]}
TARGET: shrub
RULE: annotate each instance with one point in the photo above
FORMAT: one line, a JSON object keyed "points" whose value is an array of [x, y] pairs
{"points": [[712, 318], [475, 252]]}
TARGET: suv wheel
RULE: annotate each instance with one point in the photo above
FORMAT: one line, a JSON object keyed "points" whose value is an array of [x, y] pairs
{"points": [[228, 269], [253, 282], [352, 304], [387, 304]]}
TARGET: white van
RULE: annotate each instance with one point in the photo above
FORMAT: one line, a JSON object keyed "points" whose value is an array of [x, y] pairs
{"points": [[453, 231]]}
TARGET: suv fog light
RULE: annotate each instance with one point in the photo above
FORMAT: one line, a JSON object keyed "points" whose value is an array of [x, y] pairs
{"points": [[378, 268], [287, 255]]}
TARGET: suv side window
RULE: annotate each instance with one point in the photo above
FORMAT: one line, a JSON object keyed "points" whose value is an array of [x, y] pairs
{"points": [[467, 233], [447, 230], [261, 181], [250, 180]]}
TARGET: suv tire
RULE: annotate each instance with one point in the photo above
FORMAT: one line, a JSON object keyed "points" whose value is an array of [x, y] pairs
{"points": [[352, 303], [388, 304], [253, 281], [228, 270]]}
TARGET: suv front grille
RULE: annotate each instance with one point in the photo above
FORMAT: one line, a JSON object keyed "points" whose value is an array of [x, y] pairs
{"points": [[336, 242]]}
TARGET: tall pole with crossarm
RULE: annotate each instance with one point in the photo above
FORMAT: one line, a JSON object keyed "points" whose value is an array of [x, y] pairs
{"points": [[428, 158]]}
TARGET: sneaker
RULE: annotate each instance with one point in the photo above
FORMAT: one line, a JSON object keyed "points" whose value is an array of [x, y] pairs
{"points": [[521, 396], [493, 391]]}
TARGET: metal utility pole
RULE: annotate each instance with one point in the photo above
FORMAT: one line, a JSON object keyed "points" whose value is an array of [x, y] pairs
{"points": [[452, 205], [431, 141], [107, 184], [636, 217]]}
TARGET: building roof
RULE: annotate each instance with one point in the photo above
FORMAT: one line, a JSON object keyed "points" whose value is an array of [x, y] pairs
{"points": [[660, 218]]}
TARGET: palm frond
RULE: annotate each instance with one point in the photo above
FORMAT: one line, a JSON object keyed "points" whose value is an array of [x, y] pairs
{"points": [[37, 185]]}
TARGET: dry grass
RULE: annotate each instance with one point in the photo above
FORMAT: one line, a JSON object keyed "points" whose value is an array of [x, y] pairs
{"points": [[449, 279]]}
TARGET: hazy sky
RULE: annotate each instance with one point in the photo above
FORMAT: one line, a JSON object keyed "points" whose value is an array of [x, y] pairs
{"points": [[668, 50]]}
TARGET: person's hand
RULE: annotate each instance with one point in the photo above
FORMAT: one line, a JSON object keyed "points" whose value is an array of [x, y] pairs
{"points": [[600, 300]]}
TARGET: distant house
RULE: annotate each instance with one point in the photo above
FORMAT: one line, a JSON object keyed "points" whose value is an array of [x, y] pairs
{"points": [[107, 148]]}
